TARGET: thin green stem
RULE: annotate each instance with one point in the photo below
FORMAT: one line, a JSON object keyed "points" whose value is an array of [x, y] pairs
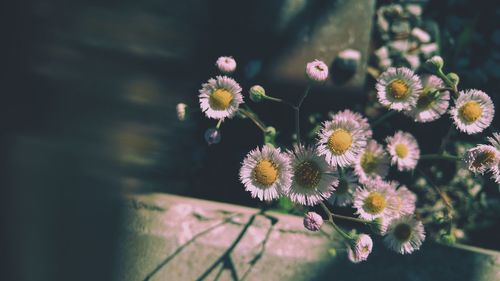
{"points": [[218, 124], [335, 226], [448, 82], [442, 194], [440, 157], [280, 101], [383, 118], [254, 118], [297, 113], [350, 219]]}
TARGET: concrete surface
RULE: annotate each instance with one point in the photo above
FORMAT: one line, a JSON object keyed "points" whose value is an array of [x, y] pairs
{"points": [[176, 238]]}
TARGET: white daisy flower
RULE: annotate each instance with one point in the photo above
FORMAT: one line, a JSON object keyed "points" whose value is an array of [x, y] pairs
{"points": [[317, 71], [405, 235], [266, 173], [404, 151], [405, 200], [362, 121], [361, 248], [473, 111], [430, 104], [481, 158], [313, 179], [220, 97], [375, 199], [226, 65], [342, 196], [341, 141], [373, 162], [495, 170], [398, 88]]}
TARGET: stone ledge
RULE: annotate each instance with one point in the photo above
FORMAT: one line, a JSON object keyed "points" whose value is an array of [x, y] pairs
{"points": [[169, 237]]}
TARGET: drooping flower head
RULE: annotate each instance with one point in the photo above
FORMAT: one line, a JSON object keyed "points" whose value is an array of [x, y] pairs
{"points": [[317, 71], [376, 198], [212, 136], [373, 162], [266, 173], [341, 141], [363, 124], [405, 235], [398, 88], [495, 170], [220, 98], [361, 249], [473, 111], [342, 196], [313, 221], [431, 104], [481, 158], [226, 65], [404, 151], [313, 179]]}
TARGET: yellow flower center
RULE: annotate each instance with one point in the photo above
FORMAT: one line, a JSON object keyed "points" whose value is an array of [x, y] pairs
{"points": [[401, 150], [307, 174], [220, 99], [398, 89], [374, 203], [403, 232], [368, 162], [265, 172], [339, 141], [343, 187], [471, 111], [484, 159]]}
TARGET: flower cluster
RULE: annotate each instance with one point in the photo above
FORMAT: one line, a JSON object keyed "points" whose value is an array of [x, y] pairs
{"points": [[344, 165]]}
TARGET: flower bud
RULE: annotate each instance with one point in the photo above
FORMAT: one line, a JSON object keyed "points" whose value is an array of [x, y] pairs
{"points": [[181, 111], [434, 64], [212, 136], [257, 93], [453, 78], [313, 221], [317, 71], [226, 65]]}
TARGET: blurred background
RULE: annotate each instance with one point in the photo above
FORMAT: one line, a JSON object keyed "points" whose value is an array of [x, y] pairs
{"points": [[90, 90]]}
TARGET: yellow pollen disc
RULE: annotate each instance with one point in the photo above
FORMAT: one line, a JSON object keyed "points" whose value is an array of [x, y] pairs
{"points": [[339, 141], [403, 232], [220, 99], [484, 159], [307, 174], [374, 203], [265, 172], [343, 187], [398, 89], [401, 150], [368, 162], [471, 111]]}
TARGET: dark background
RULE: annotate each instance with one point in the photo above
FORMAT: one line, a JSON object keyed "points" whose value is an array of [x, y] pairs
{"points": [[88, 112]]}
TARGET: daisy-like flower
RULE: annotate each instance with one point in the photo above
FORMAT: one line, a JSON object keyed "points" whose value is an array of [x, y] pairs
{"points": [[404, 151], [375, 199], [342, 196], [373, 162], [405, 235], [362, 121], [473, 111], [317, 71], [398, 88], [481, 158], [405, 200], [313, 179], [341, 141], [361, 249], [495, 170], [430, 104], [220, 97], [226, 65], [266, 173]]}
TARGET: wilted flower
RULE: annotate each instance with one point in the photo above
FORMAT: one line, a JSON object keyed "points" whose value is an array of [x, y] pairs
{"points": [[212, 136], [361, 248]]}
